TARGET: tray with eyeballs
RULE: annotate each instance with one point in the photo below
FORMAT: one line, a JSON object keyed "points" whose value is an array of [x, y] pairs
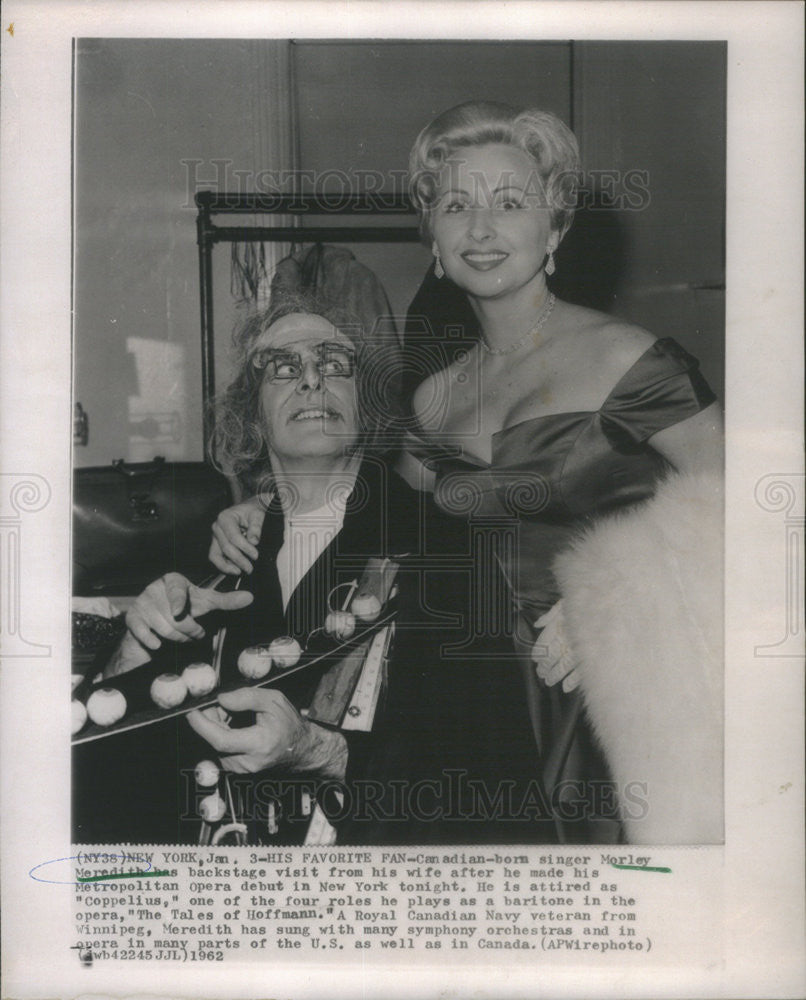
{"points": [[182, 677]]}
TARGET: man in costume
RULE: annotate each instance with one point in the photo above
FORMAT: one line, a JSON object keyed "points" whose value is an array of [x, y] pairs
{"points": [[448, 757]]}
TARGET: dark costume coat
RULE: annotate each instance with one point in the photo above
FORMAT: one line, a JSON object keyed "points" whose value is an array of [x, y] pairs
{"points": [[450, 759]]}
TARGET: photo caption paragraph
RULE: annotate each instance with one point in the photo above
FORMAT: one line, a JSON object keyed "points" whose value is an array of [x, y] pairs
{"points": [[215, 904]]}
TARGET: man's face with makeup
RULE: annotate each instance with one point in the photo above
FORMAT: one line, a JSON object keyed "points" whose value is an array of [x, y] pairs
{"points": [[313, 415]]}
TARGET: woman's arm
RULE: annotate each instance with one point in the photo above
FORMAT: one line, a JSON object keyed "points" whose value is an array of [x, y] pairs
{"points": [[552, 654], [236, 532], [696, 444]]}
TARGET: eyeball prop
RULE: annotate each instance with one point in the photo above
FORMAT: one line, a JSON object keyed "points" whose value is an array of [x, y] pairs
{"points": [[366, 607], [200, 679], [285, 651], [340, 624], [78, 716], [168, 690], [206, 774], [106, 707], [255, 662], [212, 808]]}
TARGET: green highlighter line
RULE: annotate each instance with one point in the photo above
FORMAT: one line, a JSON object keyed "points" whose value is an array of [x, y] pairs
{"points": [[641, 868]]}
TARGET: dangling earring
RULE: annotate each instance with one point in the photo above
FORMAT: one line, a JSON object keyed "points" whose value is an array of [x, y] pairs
{"points": [[550, 265], [439, 270]]}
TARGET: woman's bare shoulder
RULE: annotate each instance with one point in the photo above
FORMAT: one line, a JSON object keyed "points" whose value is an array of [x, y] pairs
{"points": [[611, 343]]}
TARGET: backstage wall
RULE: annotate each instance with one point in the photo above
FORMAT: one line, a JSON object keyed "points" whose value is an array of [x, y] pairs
{"points": [[156, 118]]}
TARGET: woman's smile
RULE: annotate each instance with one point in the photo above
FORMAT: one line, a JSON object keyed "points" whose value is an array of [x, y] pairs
{"points": [[487, 219], [484, 260]]}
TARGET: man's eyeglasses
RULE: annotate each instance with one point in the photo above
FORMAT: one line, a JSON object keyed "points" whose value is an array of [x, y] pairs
{"points": [[332, 360]]}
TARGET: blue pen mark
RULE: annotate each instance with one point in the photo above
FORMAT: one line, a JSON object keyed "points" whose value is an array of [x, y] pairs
{"points": [[88, 860]]}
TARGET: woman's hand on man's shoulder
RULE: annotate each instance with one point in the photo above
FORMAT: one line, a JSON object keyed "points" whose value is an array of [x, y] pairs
{"points": [[236, 533]]}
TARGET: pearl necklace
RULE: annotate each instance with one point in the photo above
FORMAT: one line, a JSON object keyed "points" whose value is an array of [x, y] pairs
{"points": [[541, 321]]}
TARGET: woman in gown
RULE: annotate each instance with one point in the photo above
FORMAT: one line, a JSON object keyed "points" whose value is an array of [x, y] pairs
{"points": [[556, 417]]}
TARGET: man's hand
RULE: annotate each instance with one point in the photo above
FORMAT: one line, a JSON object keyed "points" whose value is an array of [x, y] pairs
{"points": [[552, 652], [168, 609], [236, 532], [280, 739]]}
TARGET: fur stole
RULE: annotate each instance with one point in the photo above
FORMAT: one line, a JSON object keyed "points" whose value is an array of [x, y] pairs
{"points": [[642, 598]]}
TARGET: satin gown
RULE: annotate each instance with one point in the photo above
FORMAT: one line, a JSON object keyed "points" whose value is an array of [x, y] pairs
{"points": [[549, 477]]}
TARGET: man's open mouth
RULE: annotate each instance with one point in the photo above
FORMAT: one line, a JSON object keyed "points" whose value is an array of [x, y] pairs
{"points": [[316, 413]]}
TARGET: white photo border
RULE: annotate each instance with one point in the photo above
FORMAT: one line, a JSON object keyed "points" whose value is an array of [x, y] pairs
{"points": [[757, 877]]}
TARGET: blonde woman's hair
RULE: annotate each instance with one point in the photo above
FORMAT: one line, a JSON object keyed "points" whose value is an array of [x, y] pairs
{"points": [[547, 140]]}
